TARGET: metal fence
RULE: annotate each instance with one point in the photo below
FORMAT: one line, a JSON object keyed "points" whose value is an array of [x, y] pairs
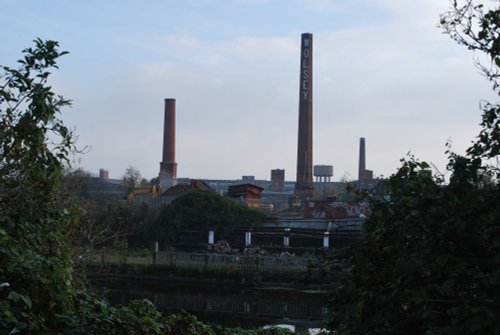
{"points": [[230, 263]]}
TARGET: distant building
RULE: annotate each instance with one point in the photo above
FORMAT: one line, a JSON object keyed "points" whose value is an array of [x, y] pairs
{"points": [[333, 209], [221, 186], [247, 193], [275, 200], [277, 180], [154, 196], [180, 189], [365, 175], [103, 174], [103, 187]]}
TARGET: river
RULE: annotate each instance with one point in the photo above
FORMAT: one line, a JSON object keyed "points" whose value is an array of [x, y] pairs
{"points": [[230, 306]]}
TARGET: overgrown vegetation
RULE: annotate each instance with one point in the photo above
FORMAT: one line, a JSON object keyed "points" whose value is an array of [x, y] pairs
{"points": [[106, 221], [428, 261], [202, 210], [38, 221], [109, 222], [36, 287]]}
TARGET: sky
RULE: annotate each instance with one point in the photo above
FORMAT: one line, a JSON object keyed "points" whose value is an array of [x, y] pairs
{"points": [[383, 70]]}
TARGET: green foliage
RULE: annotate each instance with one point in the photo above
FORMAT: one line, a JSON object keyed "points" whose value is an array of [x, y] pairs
{"points": [[428, 261], [203, 210], [37, 288], [106, 221], [34, 260], [144, 252], [186, 324], [132, 178], [97, 316], [479, 30], [469, 24]]}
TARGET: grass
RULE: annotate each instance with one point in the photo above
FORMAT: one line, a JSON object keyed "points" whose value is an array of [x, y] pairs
{"points": [[119, 257]]}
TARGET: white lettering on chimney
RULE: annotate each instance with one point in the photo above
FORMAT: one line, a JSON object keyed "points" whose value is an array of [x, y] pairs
{"points": [[306, 71]]}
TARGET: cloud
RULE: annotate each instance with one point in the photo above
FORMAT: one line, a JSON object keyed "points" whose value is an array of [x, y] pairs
{"points": [[260, 47], [182, 41]]}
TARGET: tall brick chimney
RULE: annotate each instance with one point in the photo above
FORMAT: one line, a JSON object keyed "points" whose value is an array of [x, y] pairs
{"points": [[304, 183], [362, 158], [363, 173], [168, 166]]}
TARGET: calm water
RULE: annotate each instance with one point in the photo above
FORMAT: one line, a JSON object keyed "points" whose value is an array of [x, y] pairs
{"points": [[227, 305]]}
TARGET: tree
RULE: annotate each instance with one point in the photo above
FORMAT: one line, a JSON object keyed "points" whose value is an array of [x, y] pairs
{"points": [[131, 178], [105, 221], [154, 181], [38, 293], [203, 210], [427, 261], [35, 279], [479, 30]]}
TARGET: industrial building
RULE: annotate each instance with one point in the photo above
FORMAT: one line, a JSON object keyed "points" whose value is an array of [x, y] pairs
{"points": [[276, 193], [247, 193], [311, 214]]}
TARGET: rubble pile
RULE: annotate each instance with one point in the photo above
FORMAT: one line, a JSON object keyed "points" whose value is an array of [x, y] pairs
{"points": [[254, 250], [221, 247]]}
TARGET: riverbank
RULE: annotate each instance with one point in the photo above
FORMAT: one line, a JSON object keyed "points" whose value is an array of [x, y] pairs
{"points": [[228, 305], [229, 298]]}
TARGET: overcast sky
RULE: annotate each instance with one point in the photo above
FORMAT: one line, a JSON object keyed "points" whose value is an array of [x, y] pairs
{"points": [[383, 70]]}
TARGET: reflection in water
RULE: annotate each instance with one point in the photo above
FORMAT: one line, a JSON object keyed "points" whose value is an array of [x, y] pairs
{"points": [[229, 306]]}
